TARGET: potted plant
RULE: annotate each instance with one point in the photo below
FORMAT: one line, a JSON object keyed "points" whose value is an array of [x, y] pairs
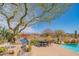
{"points": [[11, 52], [29, 48]]}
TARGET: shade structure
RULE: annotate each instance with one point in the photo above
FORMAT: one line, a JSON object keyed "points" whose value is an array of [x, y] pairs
{"points": [[24, 41]]}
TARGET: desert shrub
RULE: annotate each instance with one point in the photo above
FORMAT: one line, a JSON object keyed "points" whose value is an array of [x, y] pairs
{"points": [[29, 48], [66, 41], [2, 49], [2, 40], [11, 52], [34, 42], [71, 41]]}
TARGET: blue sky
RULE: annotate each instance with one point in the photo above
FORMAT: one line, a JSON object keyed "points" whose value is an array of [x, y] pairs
{"points": [[69, 21]]}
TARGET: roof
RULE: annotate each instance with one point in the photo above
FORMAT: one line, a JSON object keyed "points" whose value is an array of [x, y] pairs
{"points": [[24, 35]]}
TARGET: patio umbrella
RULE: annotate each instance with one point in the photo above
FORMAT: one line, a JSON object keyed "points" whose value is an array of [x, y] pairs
{"points": [[24, 41]]}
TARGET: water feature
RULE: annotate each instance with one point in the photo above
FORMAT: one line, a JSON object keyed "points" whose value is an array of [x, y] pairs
{"points": [[72, 47]]}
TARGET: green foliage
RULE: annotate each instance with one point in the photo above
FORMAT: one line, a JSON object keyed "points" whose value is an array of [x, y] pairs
{"points": [[75, 36], [34, 42], [48, 12], [3, 32], [2, 49], [70, 42], [2, 40], [29, 49], [11, 52], [5, 35]]}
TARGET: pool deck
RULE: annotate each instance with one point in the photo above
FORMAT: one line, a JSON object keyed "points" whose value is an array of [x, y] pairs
{"points": [[53, 50]]}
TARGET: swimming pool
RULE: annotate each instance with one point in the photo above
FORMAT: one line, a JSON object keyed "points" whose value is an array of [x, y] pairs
{"points": [[72, 47]]}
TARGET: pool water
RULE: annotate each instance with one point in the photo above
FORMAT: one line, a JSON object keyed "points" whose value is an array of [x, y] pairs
{"points": [[72, 47]]}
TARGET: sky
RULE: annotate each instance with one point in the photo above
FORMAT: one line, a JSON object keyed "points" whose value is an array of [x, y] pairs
{"points": [[69, 21]]}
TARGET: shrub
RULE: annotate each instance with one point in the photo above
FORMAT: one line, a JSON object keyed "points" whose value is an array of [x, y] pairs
{"points": [[73, 41], [29, 48], [66, 41], [34, 42], [1, 41], [2, 49], [11, 52]]}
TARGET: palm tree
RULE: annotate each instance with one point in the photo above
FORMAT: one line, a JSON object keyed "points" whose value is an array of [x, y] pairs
{"points": [[75, 35]]}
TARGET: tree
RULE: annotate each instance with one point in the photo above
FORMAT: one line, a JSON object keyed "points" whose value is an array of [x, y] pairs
{"points": [[47, 32], [75, 35], [4, 34], [24, 15], [59, 34]]}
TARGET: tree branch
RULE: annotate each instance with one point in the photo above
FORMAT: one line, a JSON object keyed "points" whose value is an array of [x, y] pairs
{"points": [[35, 18], [44, 12], [9, 18], [20, 23], [23, 28]]}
